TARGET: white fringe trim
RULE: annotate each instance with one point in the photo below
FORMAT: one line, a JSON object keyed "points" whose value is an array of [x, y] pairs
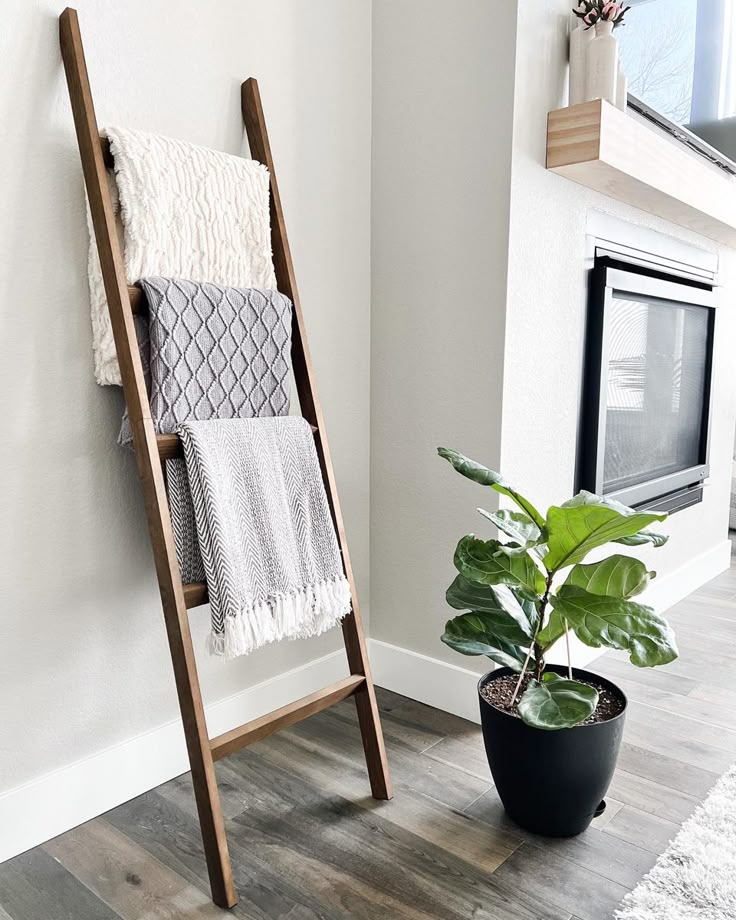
{"points": [[300, 614]]}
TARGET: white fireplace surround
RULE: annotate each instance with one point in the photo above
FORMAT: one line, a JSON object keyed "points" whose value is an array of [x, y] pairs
{"points": [[606, 234]]}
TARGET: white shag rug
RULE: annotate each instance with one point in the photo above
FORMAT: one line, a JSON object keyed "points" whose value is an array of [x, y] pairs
{"points": [[695, 879]]}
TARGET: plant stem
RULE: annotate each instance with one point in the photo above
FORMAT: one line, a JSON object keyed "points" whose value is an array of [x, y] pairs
{"points": [[567, 643], [534, 647], [521, 675]]}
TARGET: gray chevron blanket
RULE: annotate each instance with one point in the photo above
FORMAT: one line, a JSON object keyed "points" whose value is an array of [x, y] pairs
{"points": [[208, 352], [269, 549]]}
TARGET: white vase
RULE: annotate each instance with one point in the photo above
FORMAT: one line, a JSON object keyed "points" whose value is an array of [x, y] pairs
{"points": [[622, 89], [602, 64], [580, 39]]}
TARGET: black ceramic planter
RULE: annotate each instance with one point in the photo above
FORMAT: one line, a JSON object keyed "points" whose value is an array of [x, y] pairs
{"points": [[551, 782]]}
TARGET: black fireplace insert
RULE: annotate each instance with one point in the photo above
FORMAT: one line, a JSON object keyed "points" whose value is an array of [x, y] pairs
{"points": [[645, 412]]}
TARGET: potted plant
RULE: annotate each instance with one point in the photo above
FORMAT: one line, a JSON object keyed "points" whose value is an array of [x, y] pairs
{"points": [[551, 732]]}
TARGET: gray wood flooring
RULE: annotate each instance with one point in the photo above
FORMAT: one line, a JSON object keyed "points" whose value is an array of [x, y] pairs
{"points": [[308, 842]]}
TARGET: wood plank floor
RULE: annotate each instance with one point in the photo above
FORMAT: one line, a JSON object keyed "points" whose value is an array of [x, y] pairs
{"points": [[308, 842]]}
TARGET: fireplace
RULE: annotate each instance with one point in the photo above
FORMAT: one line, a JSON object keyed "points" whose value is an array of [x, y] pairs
{"points": [[646, 386]]}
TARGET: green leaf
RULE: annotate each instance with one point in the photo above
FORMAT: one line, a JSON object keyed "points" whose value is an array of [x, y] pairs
{"points": [[524, 533], [617, 576], [557, 703], [636, 539], [616, 623], [482, 599], [555, 629], [485, 563], [481, 474], [584, 523], [644, 536], [528, 605], [515, 524], [472, 634]]}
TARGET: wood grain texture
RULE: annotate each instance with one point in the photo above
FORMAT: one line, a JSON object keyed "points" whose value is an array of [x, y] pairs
{"points": [[137, 298], [413, 849], [34, 886], [642, 829], [541, 873], [127, 878], [160, 826], [615, 859], [149, 465], [427, 818], [444, 783], [352, 628], [614, 152], [170, 446], [282, 718]]}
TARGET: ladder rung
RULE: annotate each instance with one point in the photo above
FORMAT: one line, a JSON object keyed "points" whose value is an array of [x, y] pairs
{"points": [[252, 731], [169, 445], [195, 594], [138, 303], [106, 155]]}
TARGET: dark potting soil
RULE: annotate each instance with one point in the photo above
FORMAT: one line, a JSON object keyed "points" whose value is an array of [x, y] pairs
{"points": [[499, 693]]}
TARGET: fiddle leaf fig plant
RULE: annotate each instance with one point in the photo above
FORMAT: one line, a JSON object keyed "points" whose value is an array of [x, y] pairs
{"points": [[522, 594]]}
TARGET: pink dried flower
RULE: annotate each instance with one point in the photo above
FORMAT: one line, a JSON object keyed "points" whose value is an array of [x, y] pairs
{"points": [[612, 12]]}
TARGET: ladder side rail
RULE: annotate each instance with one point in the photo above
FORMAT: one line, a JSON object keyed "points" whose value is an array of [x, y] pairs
{"points": [[353, 635], [149, 464]]}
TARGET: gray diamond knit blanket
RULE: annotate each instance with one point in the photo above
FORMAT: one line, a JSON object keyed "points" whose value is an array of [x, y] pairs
{"points": [[209, 352], [269, 549]]}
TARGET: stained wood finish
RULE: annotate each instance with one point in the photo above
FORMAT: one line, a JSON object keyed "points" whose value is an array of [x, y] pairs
{"points": [[282, 718], [137, 298], [443, 849], [365, 697], [151, 450], [170, 446], [616, 153], [195, 594], [149, 465]]}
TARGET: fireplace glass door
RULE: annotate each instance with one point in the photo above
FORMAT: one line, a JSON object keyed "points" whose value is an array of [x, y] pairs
{"points": [[646, 389], [657, 366]]}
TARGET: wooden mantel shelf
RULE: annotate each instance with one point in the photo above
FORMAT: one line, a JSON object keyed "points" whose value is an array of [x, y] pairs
{"points": [[597, 145]]}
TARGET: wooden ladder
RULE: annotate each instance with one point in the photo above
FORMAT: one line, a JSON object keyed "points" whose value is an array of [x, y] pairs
{"points": [[152, 450]]}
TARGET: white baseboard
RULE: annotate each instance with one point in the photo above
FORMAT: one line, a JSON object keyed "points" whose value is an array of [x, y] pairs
{"points": [[45, 807], [665, 591], [428, 680]]}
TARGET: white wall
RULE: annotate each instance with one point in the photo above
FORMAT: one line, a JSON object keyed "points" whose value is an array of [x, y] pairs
{"points": [[442, 107], [83, 659], [459, 357], [546, 312]]}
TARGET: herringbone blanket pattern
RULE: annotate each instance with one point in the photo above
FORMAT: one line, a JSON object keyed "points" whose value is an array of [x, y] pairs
{"points": [[210, 352], [268, 544], [186, 212]]}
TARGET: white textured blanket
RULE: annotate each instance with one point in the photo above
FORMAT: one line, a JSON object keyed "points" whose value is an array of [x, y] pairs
{"points": [[268, 544], [187, 212]]}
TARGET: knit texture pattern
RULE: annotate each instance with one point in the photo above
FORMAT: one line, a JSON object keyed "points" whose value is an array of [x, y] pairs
{"points": [[270, 554], [186, 212], [208, 352]]}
